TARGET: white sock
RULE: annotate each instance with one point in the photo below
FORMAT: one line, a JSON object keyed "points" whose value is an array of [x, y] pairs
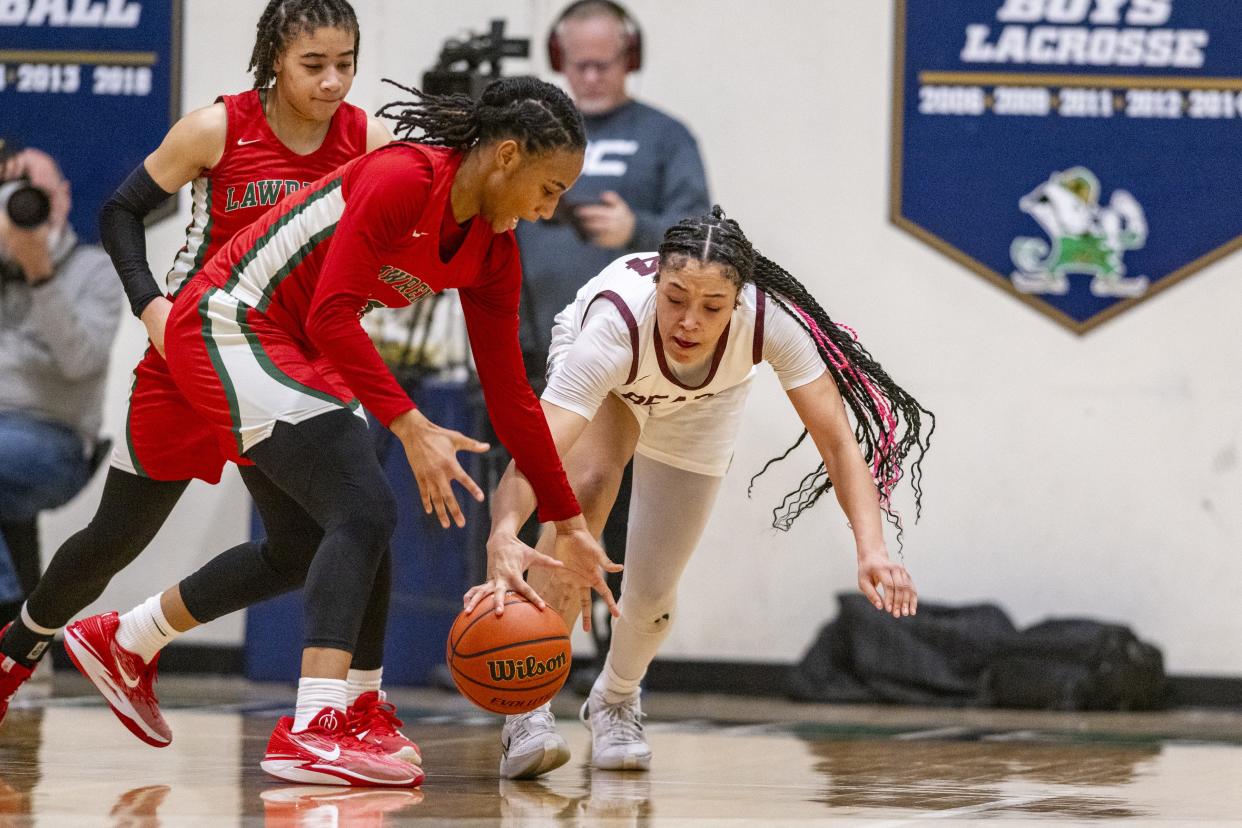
{"points": [[314, 694], [358, 682], [144, 630], [613, 687]]}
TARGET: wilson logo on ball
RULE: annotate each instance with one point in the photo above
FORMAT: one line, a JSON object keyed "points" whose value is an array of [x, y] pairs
{"points": [[520, 669]]}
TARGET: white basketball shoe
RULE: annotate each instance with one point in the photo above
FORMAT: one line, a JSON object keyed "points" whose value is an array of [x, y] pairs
{"points": [[617, 741], [530, 745]]}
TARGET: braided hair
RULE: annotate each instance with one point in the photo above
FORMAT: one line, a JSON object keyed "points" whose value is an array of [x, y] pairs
{"points": [[539, 115], [283, 20], [889, 420]]}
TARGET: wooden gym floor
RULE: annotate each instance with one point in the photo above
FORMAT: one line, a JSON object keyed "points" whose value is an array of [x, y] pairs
{"points": [[65, 761]]}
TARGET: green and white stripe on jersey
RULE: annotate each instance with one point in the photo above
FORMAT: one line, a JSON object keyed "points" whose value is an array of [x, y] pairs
{"points": [[125, 456], [259, 393], [189, 259], [284, 245]]}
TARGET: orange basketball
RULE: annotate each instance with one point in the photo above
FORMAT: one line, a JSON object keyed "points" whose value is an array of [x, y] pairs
{"points": [[511, 664]]}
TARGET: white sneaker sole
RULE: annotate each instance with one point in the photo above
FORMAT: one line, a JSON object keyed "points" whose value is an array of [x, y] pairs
{"points": [[551, 755], [296, 770], [636, 762], [93, 668]]}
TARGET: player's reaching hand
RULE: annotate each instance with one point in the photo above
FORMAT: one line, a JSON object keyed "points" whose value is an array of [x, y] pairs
{"points": [[507, 559], [887, 585], [585, 565], [432, 453]]}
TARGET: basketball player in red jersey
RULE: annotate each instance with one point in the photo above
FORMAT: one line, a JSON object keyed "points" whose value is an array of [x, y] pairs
{"points": [[266, 345], [241, 154]]}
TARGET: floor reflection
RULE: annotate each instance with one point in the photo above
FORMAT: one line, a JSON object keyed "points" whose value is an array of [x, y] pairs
{"points": [[617, 798], [70, 763], [18, 775], [314, 806], [139, 808], [1079, 781]]}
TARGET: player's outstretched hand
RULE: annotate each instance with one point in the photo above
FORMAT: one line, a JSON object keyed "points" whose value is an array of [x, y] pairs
{"points": [[887, 585], [585, 565], [432, 455], [507, 559]]}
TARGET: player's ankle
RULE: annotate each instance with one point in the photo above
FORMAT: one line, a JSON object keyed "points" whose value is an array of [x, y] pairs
{"points": [[25, 641]]}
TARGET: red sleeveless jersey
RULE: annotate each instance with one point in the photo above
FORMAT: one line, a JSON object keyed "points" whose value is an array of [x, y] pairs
{"points": [[255, 172]]}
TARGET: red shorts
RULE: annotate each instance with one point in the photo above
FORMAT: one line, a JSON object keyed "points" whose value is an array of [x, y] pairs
{"points": [[165, 438], [241, 373]]}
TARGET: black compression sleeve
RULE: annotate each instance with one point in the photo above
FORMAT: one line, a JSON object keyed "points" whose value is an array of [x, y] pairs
{"points": [[124, 236]]}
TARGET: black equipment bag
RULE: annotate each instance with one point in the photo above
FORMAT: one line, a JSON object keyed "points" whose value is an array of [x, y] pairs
{"points": [[974, 656], [1078, 664], [936, 657]]}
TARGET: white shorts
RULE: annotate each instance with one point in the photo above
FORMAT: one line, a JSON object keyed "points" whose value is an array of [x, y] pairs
{"points": [[698, 437]]}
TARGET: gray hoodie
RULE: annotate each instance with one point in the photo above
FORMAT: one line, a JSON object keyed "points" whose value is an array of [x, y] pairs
{"points": [[56, 337]]}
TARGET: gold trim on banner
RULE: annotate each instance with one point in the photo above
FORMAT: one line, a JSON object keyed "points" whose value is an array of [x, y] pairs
{"points": [[92, 58], [1089, 81]]}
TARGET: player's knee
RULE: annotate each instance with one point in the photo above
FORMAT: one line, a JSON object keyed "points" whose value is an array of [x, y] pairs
{"points": [[115, 540], [371, 520], [288, 554], [649, 617]]}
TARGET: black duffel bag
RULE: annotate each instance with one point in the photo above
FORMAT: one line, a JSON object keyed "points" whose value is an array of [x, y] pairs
{"points": [[1077, 664], [937, 657]]}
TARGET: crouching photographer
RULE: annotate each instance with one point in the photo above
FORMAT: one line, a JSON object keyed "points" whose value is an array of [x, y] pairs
{"points": [[60, 303]]}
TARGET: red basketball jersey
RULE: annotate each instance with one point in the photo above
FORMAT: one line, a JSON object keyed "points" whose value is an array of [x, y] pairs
{"points": [[370, 235], [255, 172]]}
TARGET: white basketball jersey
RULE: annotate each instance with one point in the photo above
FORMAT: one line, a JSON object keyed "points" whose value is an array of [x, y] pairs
{"points": [[652, 384]]}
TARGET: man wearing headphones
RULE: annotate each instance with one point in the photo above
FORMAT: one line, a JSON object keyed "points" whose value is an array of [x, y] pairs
{"points": [[642, 174]]}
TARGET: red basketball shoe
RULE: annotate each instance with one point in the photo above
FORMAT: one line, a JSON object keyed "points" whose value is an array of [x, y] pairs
{"points": [[325, 754], [373, 719], [12, 676], [122, 677]]}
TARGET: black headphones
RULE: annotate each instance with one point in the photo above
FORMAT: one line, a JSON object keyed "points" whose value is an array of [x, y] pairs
{"points": [[633, 36]]}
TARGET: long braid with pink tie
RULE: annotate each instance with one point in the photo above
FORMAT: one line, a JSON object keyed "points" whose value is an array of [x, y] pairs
{"points": [[889, 421]]}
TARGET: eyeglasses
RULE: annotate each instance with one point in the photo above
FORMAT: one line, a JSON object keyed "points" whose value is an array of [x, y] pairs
{"points": [[581, 67]]}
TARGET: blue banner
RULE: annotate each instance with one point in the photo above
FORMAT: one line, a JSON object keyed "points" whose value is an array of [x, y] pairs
{"points": [[1082, 155], [94, 83]]}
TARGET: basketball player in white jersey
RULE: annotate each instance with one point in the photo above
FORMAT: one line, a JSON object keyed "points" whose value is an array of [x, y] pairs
{"points": [[653, 360]]}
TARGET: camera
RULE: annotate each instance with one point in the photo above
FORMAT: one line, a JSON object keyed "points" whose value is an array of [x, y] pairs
{"points": [[458, 70], [27, 205]]}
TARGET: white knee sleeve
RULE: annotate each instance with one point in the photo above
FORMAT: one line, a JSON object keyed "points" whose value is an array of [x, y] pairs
{"points": [[668, 509]]}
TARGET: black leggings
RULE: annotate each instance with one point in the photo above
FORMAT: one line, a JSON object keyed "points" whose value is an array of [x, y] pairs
{"points": [[131, 511], [320, 489]]}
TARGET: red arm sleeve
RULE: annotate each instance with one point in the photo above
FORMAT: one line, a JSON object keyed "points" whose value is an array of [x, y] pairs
{"points": [[491, 311], [384, 197]]}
